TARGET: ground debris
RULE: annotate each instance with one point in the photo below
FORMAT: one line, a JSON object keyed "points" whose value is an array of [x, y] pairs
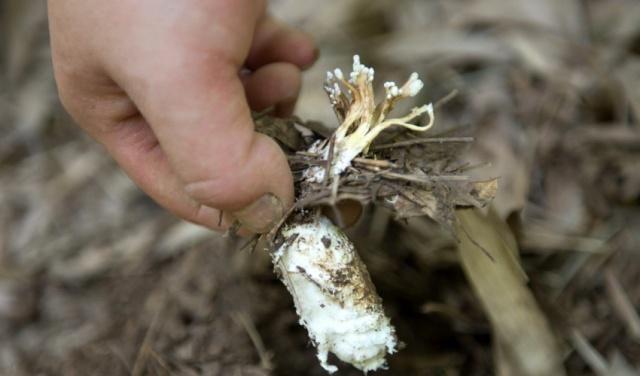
{"points": [[409, 176]]}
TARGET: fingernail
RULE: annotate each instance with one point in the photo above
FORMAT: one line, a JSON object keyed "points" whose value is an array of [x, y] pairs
{"points": [[261, 215]]}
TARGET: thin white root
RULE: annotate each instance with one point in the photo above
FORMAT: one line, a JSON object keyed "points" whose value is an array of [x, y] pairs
{"points": [[362, 119], [334, 296]]}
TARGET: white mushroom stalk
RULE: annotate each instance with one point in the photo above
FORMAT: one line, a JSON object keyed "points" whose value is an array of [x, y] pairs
{"points": [[334, 296], [331, 288]]}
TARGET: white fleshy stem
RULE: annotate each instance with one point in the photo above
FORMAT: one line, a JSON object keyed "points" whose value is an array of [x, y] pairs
{"points": [[334, 296]]}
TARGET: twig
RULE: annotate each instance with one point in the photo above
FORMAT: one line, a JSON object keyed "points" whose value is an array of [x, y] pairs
{"points": [[591, 356], [265, 356], [327, 170], [437, 140], [220, 216], [474, 242], [375, 162], [446, 99], [342, 196], [334, 199], [260, 114], [469, 166], [305, 161], [250, 244], [622, 306], [159, 359], [139, 364], [298, 205], [423, 179]]}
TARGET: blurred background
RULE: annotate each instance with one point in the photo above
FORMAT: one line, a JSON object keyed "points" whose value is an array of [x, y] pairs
{"points": [[96, 279]]}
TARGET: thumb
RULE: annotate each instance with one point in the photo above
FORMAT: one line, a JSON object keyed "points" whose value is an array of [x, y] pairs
{"points": [[200, 116]]}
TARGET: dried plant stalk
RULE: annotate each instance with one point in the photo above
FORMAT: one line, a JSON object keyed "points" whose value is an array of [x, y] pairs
{"points": [[523, 337]]}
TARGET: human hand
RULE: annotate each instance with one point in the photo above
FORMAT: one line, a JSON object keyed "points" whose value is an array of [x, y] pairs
{"points": [[159, 84]]}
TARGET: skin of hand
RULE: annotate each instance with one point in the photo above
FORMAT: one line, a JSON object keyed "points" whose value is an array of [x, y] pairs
{"points": [[167, 87]]}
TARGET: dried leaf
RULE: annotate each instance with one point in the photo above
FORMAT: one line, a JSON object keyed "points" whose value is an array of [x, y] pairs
{"points": [[520, 326]]}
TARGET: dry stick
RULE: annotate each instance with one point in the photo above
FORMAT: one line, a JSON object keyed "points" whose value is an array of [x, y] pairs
{"points": [[408, 195], [446, 99], [139, 363], [243, 320], [342, 196], [382, 163], [298, 205], [307, 153], [334, 199], [327, 170], [250, 244], [335, 183], [622, 305], [260, 114], [591, 356], [511, 307], [365, 169], [305, 159], [423, 179], [468, 166], [426, 140], [158, 358], [474, 242], [117, 352], [220, 218], [359, 189], [366, 161]]}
